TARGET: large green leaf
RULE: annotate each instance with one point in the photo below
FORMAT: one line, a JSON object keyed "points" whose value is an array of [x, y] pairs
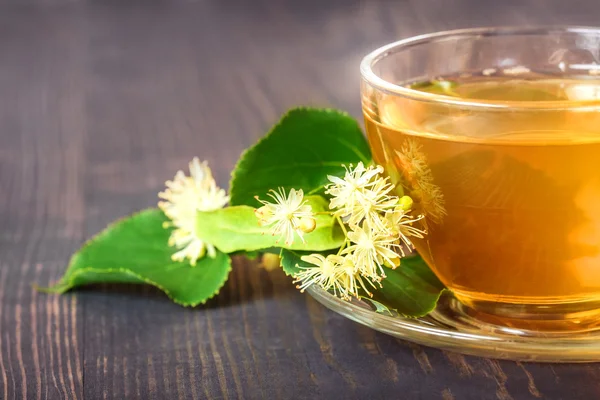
{"points": [[412, 289], [135, 250], [236, 228], [299, 152]]}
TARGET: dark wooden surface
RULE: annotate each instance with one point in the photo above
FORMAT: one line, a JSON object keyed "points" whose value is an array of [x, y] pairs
{"points": [[101, 101]]}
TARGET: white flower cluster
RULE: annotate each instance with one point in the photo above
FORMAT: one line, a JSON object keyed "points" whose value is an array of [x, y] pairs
{"points": [[378, 224], [183, 198]]}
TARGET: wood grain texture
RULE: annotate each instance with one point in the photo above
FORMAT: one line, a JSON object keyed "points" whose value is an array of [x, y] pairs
{"points": [[101, 101]]}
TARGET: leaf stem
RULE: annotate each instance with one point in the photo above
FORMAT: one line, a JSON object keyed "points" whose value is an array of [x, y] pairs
{"points": [[323, 213], [339, 220]]}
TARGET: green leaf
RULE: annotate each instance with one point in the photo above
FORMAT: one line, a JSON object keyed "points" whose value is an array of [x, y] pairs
{"points": [[299, 152], [290, 260], [251, 255], [379, 308], [412, 289], [135, 250], [236, 228], [437, 87]]}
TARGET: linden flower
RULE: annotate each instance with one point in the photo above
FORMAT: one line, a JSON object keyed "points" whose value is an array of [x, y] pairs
{"points": [[371, 250], [327, 274], [418, 178], [333, 273], [361, 195], [289, 214], [351, 276], [400, 226], [183, 198], [349, 191], [374, 202]]}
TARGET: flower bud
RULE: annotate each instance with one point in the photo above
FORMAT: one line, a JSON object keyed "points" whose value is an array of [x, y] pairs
{"points": [[395, 262], [307, 224], [405, 203], [270, 261]]}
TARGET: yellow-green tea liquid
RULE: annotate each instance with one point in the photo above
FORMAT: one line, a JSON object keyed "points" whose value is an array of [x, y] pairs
{"points": [[511, 198]]}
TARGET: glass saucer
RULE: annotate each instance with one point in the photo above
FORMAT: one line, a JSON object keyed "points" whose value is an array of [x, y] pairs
{"points": [[450, 327]]}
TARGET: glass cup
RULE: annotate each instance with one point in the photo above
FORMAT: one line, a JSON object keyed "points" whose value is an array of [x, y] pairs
{"points": [[506, 173]]}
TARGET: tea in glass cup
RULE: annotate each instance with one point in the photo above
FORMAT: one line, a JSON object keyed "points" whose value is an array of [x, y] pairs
{"points": [[495, 134]]}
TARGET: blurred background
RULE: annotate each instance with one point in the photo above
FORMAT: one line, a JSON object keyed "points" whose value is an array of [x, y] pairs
{"points": [[121, 78]]}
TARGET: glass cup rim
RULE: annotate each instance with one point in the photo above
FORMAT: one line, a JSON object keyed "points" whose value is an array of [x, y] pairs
{"points": [[369, 76]]}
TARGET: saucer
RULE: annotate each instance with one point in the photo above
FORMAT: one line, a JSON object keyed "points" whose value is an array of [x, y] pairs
{"points": [[449, 327]]}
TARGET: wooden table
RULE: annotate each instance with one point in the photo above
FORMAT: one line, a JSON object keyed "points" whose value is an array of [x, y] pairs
{"points": [[100, 102]]}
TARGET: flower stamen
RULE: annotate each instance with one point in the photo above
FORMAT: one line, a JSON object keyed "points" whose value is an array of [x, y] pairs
{"points": [[288, 214]]}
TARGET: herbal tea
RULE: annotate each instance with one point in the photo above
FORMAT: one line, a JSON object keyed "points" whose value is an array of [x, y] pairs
{"points": [[511, 199]]}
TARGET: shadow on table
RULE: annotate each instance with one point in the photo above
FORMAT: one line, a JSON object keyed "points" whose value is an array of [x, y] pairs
{"points": [[247, 283]]}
